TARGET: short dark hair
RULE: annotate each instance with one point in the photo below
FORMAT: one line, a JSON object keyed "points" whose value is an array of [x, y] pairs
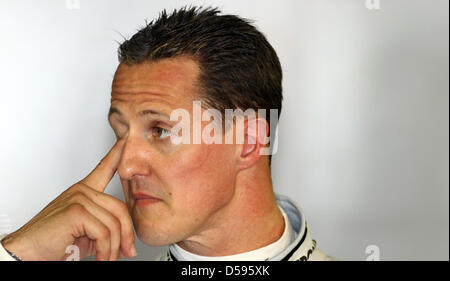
{"points": [[238, 66]]}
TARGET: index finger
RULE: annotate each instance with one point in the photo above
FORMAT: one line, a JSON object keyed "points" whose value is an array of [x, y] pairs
{"points": [[99, 178]]}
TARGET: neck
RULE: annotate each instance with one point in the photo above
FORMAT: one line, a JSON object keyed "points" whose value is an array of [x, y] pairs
{"points": [[250, 221]]}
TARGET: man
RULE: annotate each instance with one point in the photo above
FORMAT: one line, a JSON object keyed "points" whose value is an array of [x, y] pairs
{"points": [[207, 200]]}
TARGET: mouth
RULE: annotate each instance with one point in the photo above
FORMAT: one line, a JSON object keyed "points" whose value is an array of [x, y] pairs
{"points": [[142, 199]]}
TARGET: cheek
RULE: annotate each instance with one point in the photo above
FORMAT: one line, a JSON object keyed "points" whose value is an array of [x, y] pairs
{"points": [[203, 178]]}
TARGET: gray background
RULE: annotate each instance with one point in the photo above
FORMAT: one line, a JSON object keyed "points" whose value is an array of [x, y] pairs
{"points": [[363, 144]]}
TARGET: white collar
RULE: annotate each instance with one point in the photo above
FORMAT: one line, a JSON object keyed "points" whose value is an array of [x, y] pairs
{"points": [[260, 254]]}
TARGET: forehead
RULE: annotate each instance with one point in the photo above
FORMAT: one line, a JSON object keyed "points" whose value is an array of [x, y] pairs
{"points": [[171, 81]]}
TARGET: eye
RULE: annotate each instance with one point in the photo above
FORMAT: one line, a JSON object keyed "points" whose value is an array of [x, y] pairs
{"points": [[160, 132]]}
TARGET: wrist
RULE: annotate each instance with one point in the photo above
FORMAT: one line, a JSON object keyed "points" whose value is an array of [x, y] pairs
{"points": [[17, 247]]}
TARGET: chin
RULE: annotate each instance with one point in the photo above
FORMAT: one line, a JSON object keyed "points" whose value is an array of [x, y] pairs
{"points": [[152, 235]]}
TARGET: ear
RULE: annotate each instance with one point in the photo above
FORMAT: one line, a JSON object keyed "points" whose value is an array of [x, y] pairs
{"points": [[255, 138]]}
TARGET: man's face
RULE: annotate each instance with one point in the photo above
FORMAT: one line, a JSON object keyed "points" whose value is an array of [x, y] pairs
{"points": [[192, 181]]}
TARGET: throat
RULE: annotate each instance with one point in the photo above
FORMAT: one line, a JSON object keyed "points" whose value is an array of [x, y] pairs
{"points": [[239, 236]]}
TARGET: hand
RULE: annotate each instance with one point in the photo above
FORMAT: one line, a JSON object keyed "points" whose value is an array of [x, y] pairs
{"points": [[82, 215]]}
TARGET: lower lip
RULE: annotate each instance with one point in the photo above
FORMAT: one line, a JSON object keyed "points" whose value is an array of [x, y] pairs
{"points": [[146, 201]]}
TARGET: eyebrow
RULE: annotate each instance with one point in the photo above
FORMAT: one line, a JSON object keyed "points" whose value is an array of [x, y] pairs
{"points": [[115, 110]]}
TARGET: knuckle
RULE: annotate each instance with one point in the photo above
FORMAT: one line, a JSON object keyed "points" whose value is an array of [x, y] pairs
{"points": [[70, 190], [76, 209], [78, 197], [78, 187]]}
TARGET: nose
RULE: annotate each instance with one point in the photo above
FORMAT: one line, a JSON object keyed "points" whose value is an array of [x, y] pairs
{"points": [[134, 159]]}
